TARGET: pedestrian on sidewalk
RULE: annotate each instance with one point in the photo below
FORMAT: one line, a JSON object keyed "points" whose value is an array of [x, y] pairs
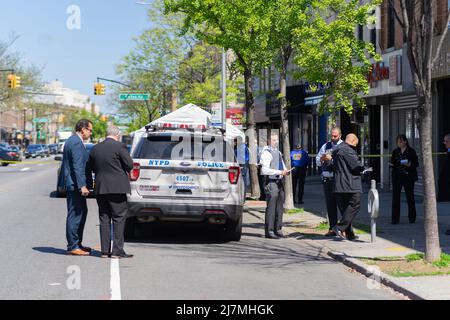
{"points": [[404, 163], [300, 163], [444, 176], [347, 186], [75, 179], [111, 163], [328, 176], [274, 170]]}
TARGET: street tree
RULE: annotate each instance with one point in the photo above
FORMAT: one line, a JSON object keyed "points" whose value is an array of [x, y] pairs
{"points": [[417, 21], [153, 64], [29, 74], [242, 26], [328, 52], [286, 17]]}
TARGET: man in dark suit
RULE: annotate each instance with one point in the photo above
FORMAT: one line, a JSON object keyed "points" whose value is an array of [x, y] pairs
{"points": [[348, 187], [74, 179], [111, 164]]}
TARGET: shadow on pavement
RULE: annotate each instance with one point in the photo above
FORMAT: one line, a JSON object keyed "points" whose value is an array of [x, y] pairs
{"points": [[208, 243], [51, 250]]}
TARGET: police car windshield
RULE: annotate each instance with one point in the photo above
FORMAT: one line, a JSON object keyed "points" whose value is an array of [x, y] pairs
{"points": [[162, 147]]}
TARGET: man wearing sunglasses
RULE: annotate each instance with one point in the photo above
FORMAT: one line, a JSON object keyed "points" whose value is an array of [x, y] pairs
{"points": [[75, 180]]}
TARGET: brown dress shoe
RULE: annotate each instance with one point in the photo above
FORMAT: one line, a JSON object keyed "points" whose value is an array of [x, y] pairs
{"points": [[78, 252]]}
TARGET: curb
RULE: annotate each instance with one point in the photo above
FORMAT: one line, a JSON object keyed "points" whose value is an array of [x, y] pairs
{"points": [[380, 277], [360, 267]]}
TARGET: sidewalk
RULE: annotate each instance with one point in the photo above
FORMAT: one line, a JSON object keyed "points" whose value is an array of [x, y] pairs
{"points": [[392, 240]]}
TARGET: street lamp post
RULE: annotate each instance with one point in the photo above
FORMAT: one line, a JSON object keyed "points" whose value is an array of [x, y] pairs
{"points": [[224, 88]]}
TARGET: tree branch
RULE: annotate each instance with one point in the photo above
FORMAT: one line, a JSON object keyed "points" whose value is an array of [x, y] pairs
{"points": [[441, 41], [397, 16]]}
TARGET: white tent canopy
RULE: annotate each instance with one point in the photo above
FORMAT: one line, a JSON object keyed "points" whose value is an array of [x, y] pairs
{"points": [[191, 116]]}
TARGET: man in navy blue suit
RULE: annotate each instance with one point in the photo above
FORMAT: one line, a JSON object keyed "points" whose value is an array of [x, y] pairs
{"points": [[74, 178]]}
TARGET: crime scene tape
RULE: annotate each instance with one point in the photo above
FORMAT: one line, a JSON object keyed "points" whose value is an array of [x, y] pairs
{"points": [[29, 163], [387, 155]]}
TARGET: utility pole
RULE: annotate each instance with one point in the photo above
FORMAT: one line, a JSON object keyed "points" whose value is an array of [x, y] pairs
{"points": [[224, 88]]}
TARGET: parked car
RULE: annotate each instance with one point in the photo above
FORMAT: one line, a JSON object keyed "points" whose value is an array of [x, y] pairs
{"points": [[46, 150], [169, 183], [34, 151], [6, 154], [18, 156], [53, 148]]}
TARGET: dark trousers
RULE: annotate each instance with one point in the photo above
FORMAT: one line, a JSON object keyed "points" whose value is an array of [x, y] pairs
{"points": [[349, 205], [298, 182], [398, 183], [76, 219], [275, 201], [330, 199], [261, 180], [112, 208]]}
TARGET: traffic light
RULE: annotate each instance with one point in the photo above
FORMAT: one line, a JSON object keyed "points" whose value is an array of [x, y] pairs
{"points": [[99, 89], [11, 81], [102, 89], [17, 82]]}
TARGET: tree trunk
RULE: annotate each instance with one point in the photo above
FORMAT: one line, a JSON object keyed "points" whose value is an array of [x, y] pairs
{"points": [[251, 133], [289, 199], [432, 246]]}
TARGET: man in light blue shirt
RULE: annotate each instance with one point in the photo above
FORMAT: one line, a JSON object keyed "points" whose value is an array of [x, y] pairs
{"points": [[328, 177]]}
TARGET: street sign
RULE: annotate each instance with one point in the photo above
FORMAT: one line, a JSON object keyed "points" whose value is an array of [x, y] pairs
{"points": [[41, 120], [216, 115], [134, 96]]}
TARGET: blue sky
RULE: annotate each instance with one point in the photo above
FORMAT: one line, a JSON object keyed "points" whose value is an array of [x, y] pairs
{"points": [[75, 57]]}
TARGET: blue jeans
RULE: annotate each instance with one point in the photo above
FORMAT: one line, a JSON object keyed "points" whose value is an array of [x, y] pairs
{"points": [[76, 219]]}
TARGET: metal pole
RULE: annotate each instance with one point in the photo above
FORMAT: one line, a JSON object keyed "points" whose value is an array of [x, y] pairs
{"points": [[224, 88]]}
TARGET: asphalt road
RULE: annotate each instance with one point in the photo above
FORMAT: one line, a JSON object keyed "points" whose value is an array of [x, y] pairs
{"points": [[171, 261]]}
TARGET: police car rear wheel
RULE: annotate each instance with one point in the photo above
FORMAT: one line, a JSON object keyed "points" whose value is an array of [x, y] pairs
{"points": [[130, 228], [233, 231]]}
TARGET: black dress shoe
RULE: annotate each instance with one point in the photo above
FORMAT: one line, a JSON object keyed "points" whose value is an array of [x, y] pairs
{"points": [[339, 233], [352, 237], [106, 255], [122, 255], [280, 234], [272, 235]]}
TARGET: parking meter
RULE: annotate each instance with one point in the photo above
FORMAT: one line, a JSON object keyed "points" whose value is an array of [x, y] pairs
{"points": [[373, 208]]}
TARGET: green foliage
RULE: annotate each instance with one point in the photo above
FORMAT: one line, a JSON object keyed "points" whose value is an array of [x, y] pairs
{"points": [[323, 226], [30, 76], [99, 126], [240, 25], [295, 211], [328, 52], [414, 257]]}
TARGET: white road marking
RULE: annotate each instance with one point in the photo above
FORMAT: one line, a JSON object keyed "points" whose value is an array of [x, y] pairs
{"points": [[115, 280], [54, 284], [25, 169]]}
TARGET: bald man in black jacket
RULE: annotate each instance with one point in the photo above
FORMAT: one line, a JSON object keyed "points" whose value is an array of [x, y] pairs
{"points": [[111, 164], [348, 186]]}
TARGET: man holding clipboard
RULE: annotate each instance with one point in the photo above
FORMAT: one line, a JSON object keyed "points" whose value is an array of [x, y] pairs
{"points": [[274, 170]]}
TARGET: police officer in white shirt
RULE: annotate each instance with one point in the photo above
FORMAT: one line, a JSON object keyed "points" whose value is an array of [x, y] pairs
{"points": [[274, 170], [328, 176]]}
